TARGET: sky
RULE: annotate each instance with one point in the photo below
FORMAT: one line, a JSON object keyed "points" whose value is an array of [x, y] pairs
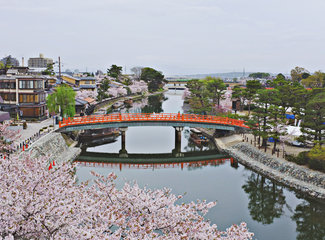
{"points": [[173, 36]]}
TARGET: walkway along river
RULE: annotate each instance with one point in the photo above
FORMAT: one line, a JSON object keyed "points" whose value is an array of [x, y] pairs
{"points": [[271, 210]]}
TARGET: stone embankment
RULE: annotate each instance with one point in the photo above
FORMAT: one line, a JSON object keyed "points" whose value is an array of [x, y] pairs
{"points": [[300, 178], [54, 147], [290, 174]]}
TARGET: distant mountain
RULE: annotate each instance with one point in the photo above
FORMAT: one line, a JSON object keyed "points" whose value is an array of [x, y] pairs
{"points": [[221, 75]]}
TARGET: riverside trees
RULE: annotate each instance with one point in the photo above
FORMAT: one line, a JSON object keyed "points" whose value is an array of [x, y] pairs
{"points": [[205, 94], [37, 202], [154, 78]]}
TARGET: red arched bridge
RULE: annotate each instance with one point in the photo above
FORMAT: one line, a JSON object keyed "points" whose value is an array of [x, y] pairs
{"points": [[150, 119]]}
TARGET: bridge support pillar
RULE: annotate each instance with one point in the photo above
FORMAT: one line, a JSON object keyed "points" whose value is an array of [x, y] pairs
{"points": [[177, 152], [234, 163], [123, 152]]}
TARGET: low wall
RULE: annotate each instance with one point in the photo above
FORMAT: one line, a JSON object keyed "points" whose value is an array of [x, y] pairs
{"points": [[290, 174], [53, 146]]}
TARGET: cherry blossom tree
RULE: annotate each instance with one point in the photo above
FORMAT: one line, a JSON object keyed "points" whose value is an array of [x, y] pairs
{"points": [[113, 92], [85, 94], [138, 87], [186, 94], [7, 138], [42, 202]]}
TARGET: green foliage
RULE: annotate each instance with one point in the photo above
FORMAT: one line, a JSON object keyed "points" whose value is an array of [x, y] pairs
{"points": [[49, 70], [126, 81], [259, 75], [317, 80], [154, 78], [2, 66], [216, 88], [103, 89], [317, 158], [298, 73], [252, 86], [199, 100], [114, 71], [62, 100], [314, 117]]}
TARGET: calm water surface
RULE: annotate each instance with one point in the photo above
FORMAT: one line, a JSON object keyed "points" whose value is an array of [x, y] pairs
{"points": [[270, 210]]}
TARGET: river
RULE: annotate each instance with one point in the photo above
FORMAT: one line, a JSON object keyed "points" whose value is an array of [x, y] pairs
{"points": [[270, 210]]}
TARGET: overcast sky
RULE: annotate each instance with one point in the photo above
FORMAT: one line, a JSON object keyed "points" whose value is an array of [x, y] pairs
{"points": [[174, 36]]}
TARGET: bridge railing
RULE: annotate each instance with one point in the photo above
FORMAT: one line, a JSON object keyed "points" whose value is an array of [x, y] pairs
{"points": [[133, 117]]}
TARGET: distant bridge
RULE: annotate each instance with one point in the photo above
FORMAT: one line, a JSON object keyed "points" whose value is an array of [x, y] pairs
{"points": [[177, 84], [149, 119]]}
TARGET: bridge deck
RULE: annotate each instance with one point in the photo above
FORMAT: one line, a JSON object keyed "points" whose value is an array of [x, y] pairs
{"points": [[156, 119]]}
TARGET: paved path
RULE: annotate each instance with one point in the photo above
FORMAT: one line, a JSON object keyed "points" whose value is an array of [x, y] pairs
{"points": [[33, 129]]}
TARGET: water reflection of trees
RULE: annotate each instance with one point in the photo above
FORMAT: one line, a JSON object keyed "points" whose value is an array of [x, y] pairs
{"points": [[154, 104], [310, 219], [266, 199]]}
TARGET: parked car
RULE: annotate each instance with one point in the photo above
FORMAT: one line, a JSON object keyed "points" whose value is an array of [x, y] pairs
{"points": [[298, 144]]}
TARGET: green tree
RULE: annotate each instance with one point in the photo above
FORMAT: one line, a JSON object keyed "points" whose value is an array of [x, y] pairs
{"points": [[154, 78], [314, 117], [199, 101], [238, 94], [317, 80], [103, 89], [259, 75], [114, 71], [49, 70], [265, 99], [297, 74], [62, 101], [216, 88], [252, 86]]}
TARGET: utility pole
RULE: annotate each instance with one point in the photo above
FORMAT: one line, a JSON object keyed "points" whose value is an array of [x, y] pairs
{"points": [[59, 67]]}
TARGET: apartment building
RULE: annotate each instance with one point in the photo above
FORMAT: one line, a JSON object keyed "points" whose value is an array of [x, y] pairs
{"points": [[39, 62], [24, 93]]}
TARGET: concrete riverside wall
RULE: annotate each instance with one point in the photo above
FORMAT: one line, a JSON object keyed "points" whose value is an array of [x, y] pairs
{"points": [[54, 146], [290, 174]]}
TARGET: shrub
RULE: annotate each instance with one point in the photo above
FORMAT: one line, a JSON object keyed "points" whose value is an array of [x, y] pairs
{"points": [[317, 164], [290, 158], [302, 158]]}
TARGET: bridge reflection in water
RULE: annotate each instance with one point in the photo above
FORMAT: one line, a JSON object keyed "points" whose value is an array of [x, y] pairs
{"points": [[155, 161]]}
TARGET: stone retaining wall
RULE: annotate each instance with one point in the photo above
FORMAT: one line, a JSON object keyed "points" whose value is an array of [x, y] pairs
{"points": [[290, 174], [53, 146]]}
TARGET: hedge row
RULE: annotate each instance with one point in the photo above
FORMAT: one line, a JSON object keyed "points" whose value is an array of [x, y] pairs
{"points": [[304, 159]]}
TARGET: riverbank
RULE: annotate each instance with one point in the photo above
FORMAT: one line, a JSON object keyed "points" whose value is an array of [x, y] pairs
{"points": [[54, 147], [299, 178]]}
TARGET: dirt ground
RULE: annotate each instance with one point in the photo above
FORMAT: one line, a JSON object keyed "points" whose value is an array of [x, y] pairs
{"points": [[288, 149]]}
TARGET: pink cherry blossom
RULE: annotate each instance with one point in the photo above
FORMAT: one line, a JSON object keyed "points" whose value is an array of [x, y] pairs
{"points": [[37, 203]]}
